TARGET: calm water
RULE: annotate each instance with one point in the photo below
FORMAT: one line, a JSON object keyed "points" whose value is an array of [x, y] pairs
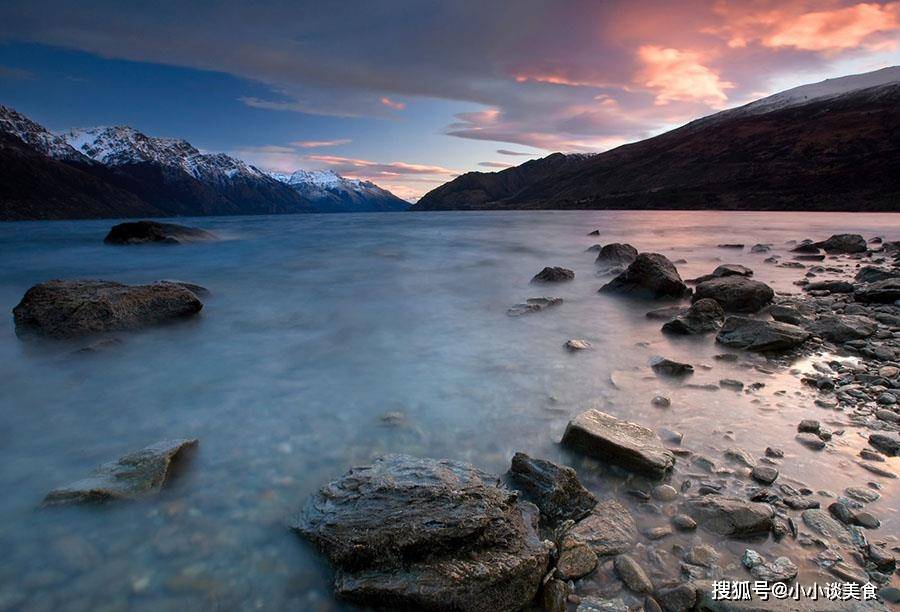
{"points": [[316, 327]]}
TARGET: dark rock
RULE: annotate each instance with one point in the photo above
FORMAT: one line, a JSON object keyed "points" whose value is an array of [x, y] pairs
{"points": [[141, 232], [785, 314], [832, 286], [553, 275], [554, 489], [764, 474], [810, 441], [553, 596], [807, 246], [609, 529], [731, 246], [576, 558], [426, 534], [650, 275], [198, 290], [760, 336], [135, 475], [822, 524], [728, 516], [886, 444], [667, 367], [577, 345], [666, 313], [533, 305], [703, 316], [843, 243], [871, 274], [760, 248], [841, 512], [735, 293], [842, 328], [633, 574], [795, 502], [882, 559], [678, 598], [808, 426], [866, 519], [617, 254], [880, 292], [775, 453], [632, 446], [683, 522], [72, 308], [724, 270]]}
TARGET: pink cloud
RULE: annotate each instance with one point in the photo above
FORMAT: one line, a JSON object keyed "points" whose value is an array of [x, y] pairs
{"points": [[677, 75], [315, 144], [392, 104]]}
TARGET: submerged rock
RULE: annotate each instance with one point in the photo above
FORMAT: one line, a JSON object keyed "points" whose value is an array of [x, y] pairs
{"points": [[142, 232], [617, 254], [534, 305], [667, 367], [843, 243], [650, 275], [728, 516], [553, 488], [703, 316], [553, 275], [427, 534], [632, 446], [871, 274], [135, 475], [72, 308], [735, 293], [760, 336]]}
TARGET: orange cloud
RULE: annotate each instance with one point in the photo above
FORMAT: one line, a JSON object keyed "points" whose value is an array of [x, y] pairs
{"points": [[678, 76], [391, 104], [315, 144], [391, 168]]}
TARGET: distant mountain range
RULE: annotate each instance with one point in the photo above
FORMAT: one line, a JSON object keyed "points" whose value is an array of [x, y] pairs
{"points": [[120, 172], [833, 145]]}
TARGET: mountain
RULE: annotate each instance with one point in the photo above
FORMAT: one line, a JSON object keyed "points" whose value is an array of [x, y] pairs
{"points": [[330, 192], [833, 145]]}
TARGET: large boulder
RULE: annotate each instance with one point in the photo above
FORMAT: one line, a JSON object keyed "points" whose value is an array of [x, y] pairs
{"points": [[703, 316], [842, 328], [722, 271], [142, 232], [426, 534], [871, 274], [554, 489], [616, 254], [630, 445], [72, 308], [650, 275], [880, 292], [843, 243], [553, 275], [735, 293], [728, 516], [761, 336], [135, 475]]}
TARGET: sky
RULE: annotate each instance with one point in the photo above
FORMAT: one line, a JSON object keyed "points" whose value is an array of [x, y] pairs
{"points": [[411, 94]]}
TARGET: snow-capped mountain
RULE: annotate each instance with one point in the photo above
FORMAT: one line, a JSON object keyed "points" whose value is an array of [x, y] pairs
{"points": [[123, 145], [37, 136], [331, 192]]}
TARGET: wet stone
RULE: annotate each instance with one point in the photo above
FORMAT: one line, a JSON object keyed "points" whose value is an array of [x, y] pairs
{"points": [[633, 575], [730, 516], [764, 474], [608, 530], [554, 489], [553, 275]]}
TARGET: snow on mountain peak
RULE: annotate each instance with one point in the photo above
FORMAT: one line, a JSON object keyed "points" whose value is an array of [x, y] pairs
{"points": [[36, 135]]}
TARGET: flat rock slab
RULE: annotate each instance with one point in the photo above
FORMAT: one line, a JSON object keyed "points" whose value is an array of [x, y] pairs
{"points": [[72, 308], [135, 475], [880, 292], [534, 305], [650, 275], [630, 445], [553, 488], [729, 516], [761, 336], [842, 328], [144, 232], [609, 529], [822, 524], [415, 533]]}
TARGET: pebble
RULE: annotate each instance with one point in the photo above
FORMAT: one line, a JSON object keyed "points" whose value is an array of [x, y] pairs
{"points": [[683, 522], [661, 401], [764, 474], [665, 492]]}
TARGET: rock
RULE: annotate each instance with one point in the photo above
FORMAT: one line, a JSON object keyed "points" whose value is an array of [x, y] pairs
{"points": [[594, 248], [666, 313], [889, 372], [554, 489], [661, 401], [132, 476], [650, 275], [840, 329], [797, 502], [617, 254], [71, 308], [867, 520], [760, 248], [678, 598], [735, 293], [553, 275], [760, 336], [774, 453], [739, 455], [841, 512], [534, 305], [810, 441], [142, 232], [594, 604], [667, 367], [832, 286], [886, 444], [808, 426], [891, 594], [553, 596], [764, 474], [731, 383], [703, 316], [683, 522], [728, 516], [402, 523], [822, 524], [880, 292], [848, 574], [731, 246], [780, 570], [722, 271], [751, 559], [882, 559], [702, 555], [843, 243], [633, 575], [807, 246], [665, 493], [577, 345], [871, 274], [785, 314], [866, 496], [609, 529], [632, 446], [576, 558]]}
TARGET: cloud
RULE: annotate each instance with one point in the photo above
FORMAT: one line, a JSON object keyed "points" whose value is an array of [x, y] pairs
{"points": [[516, 153], [391, 104], [679, 76], [316, 144], [16, 74], [492, 164], [296, 106]]}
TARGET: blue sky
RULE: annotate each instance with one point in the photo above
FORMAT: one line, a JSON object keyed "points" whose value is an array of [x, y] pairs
{"points": [[409, 94]]}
